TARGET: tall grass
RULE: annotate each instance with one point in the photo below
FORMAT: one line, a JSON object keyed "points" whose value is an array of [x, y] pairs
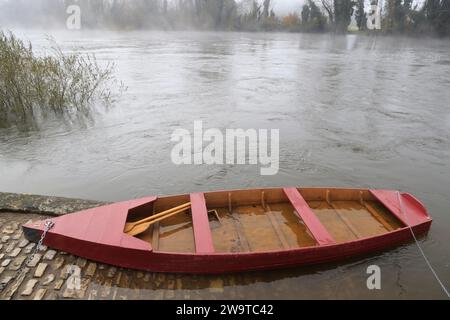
{"points": [[34, 88]]}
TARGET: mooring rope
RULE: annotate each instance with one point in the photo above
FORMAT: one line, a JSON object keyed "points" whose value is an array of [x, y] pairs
{"points": [[420, 248]]}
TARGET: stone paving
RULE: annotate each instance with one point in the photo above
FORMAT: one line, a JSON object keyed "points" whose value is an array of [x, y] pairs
{"points": [[58, 275]]}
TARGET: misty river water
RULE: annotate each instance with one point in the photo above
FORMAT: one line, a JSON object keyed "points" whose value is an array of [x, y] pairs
{"points": [[353, 111]]}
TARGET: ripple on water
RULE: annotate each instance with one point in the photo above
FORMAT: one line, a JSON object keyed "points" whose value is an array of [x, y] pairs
{"points": [[350, 111]]}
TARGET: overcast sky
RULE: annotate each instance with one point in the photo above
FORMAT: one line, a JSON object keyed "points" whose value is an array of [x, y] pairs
{"points": [[286, 6]]}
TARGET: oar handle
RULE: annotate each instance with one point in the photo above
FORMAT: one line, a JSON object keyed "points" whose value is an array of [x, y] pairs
{"points": [[166, 217], [130, 226], [142, 227]]}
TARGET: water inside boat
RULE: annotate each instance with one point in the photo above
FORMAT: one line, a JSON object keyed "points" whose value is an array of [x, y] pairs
{"points": [[265, 220]]}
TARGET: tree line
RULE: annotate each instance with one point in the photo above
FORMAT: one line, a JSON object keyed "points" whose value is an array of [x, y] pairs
{"points": [[397, 16]]}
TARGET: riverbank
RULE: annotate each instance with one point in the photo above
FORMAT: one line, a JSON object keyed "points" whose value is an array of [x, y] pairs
{"points": [[43, 205]]}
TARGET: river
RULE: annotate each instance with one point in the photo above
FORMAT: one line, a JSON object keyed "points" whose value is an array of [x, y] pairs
{"points": [[353, 111]]}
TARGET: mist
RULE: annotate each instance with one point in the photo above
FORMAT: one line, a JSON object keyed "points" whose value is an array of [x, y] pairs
{"points": [[397, 17], [246, 15]]}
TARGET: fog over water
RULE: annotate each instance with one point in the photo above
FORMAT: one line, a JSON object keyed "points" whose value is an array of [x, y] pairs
{"points": [[353, 111]]}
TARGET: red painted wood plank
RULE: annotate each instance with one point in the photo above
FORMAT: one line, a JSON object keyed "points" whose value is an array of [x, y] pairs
{"points": [[102, 225], [202, 230], [309, 218], [75, 234], [411, 212]]}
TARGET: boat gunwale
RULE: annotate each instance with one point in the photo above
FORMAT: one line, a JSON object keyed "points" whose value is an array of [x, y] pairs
{"points": [[427, 220]]}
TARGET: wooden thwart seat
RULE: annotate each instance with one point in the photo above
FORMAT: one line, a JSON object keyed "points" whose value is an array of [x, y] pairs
{"points": [[311, 221], [202, 232]]}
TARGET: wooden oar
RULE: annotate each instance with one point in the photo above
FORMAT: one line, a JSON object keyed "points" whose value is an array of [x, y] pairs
{"points": [[131, 225], [141, 228]]}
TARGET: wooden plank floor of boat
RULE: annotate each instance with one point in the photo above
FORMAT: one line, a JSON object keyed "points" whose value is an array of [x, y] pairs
{"points": [[272, 225], [349, 220]]}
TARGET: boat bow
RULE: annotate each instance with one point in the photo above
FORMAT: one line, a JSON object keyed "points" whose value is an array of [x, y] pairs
{"points": [[102, 225]]}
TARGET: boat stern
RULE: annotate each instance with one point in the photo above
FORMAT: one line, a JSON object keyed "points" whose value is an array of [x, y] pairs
{"points": [[406, 207]]}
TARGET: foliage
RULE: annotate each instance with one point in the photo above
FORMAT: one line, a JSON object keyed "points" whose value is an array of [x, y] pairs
{"points": [[343, 11], [360, 15], [291, 22], [437, 14], [33, 88], [313, 20]]}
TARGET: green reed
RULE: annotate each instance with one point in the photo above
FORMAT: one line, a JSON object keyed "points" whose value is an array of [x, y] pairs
{"points": [[58, 85]]}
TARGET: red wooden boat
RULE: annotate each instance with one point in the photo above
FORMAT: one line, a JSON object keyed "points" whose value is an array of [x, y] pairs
{"points": [[234, 231]]}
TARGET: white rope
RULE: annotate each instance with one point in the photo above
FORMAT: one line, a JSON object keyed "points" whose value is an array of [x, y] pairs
{"points": [[420, 248]]}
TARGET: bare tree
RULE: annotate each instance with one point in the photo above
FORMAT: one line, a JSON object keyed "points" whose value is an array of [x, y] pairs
{"points": [[266, 9], [328, 5]]}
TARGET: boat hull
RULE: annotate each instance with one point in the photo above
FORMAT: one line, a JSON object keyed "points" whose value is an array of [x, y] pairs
{"points": [[228, 263], [104, 241]]}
